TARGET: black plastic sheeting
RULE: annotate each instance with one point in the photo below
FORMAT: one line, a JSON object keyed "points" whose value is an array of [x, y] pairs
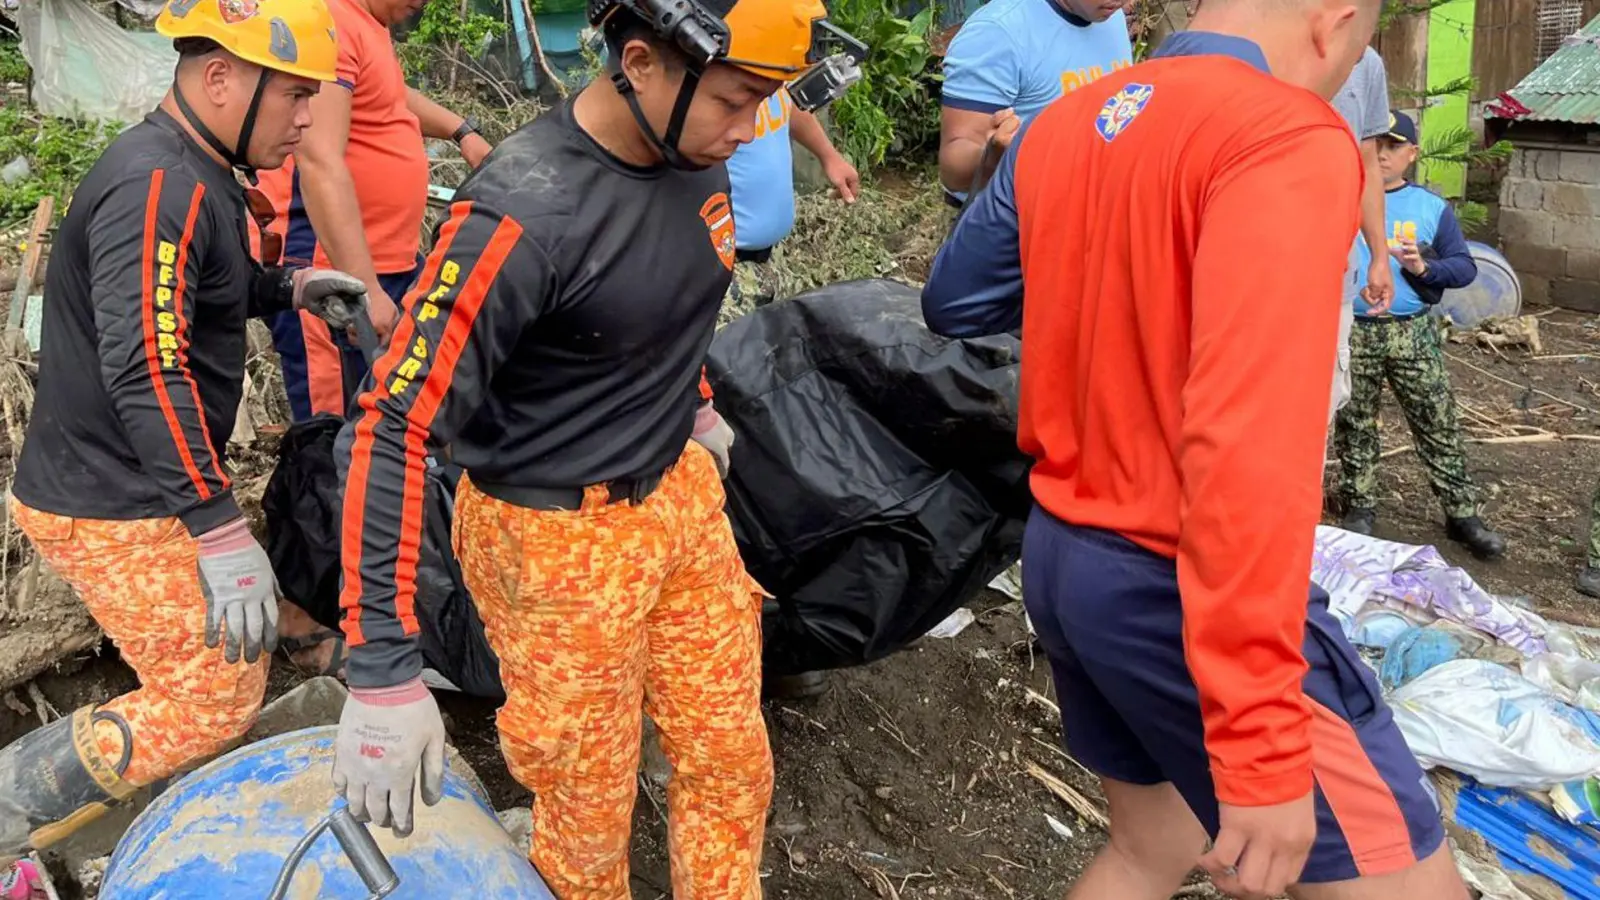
{"points": [[302, 507], [875, 486], [876, 483]]}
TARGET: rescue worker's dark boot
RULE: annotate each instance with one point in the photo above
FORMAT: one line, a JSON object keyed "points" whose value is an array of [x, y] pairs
{"points": [[1589, 581], [794, 687], [1359, 521], [1471, 533], [54, 781]]}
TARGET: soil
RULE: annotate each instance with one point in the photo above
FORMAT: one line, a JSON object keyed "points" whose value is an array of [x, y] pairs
{"points": [[910, 777]]}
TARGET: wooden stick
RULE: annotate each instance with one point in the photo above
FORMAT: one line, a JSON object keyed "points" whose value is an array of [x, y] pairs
{"points": [[29, 273], [1542, 438], [1521, 387], [1063, 791], [1555, 356]]}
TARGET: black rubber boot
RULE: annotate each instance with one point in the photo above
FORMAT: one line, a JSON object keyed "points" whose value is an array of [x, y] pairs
{"points": [[54, 781], [1471, 533], [1589, 581], [795, 687], [1359, 521]]}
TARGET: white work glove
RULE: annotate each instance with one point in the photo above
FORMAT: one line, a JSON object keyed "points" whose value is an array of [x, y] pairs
{"points": [[241, 592], [714, 434], [384, 735], [330, 295]]}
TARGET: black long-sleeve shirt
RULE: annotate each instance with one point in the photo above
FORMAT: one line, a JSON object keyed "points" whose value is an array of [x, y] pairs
{"points": [[141, 363], [555, 339]]}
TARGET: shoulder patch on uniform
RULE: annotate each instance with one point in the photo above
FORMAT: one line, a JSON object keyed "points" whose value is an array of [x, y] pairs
{"points": [[1123, 107], [718, 216]]}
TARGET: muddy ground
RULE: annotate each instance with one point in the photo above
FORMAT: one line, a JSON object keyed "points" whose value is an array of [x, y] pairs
{"points": [[911, 777], [925, 775]]}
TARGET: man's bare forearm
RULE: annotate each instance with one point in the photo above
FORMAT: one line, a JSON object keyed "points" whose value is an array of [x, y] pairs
{"points": [[1373, 224], [330, 198], [437, 121], [812, 136], [958, 160]]}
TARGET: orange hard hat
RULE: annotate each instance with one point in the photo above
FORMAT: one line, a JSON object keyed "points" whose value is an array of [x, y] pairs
{"points": [[772, 38], [292, 36]]}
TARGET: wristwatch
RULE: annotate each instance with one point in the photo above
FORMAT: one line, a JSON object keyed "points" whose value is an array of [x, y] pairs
{"points": [[469, 125]]}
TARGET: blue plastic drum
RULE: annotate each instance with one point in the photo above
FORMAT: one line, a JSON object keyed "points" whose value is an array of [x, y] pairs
{"points": [[1496, 292], [225, 830]]}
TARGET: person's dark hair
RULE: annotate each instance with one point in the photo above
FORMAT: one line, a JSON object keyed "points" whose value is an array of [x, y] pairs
{"points": [[194, 47], [625, 25]]}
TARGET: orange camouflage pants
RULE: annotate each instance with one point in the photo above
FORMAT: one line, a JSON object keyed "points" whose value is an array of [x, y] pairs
{"points": [[140, 580], [596, 613]]}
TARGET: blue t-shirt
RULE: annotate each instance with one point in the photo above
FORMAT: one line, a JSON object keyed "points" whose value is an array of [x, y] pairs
{"points": [[762, 177], [1420, 213], [1023, 54]]}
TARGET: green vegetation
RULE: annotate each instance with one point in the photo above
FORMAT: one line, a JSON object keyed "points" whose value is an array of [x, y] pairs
{"points": [[448, 31], [13, 68], [59, 153], [894, 111]]}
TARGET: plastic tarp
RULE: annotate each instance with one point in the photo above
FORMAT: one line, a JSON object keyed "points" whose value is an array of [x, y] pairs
{"points": [[303, 510], [86, 67], [875, 484]]}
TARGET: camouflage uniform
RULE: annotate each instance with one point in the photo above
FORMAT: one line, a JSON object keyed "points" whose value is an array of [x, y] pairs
{"points": [[1408, 355], [754, 284], [1594, 529]]}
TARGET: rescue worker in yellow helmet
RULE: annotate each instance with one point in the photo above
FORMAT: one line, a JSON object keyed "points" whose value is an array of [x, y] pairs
{"points": [[554, 344], [122, 486]]}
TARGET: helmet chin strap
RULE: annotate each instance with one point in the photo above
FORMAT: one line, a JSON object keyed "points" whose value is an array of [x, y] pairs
{"points": [[236, 157], [667, 144]]}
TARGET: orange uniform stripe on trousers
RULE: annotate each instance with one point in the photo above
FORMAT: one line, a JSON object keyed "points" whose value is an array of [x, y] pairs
{"points": [[183, 329], [152, 351], [324, 366], [1368, 813], [355, 503], [457, 331]]}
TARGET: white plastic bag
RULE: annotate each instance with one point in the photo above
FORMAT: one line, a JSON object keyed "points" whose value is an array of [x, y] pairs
{"points": [[1483, 720], [85, 67]]}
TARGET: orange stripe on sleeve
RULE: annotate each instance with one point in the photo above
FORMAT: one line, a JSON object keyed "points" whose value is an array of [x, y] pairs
{"points": [[152, 350], [353, 520], [463, 314], [183, 330], [705, 386], [1368, 813]]}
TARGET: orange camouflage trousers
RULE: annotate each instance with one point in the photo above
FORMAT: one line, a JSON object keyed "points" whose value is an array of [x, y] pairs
{"points": [[140, 579], [596, 613]]}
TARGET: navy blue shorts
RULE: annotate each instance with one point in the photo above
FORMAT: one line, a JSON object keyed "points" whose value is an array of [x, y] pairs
{"points": [[1108, 615], [321, 370]]}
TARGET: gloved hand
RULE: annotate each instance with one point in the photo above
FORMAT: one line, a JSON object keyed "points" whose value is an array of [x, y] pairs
{"points": [[330, 295], [383, 734], [712, 433], [241, 592]]}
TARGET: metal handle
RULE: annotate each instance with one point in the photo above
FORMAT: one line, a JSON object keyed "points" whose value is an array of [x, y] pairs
{"points": [[359, 847], [366, 335]]}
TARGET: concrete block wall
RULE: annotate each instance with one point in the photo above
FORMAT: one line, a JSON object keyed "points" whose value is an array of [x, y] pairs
{"points": [[1550, 225]]}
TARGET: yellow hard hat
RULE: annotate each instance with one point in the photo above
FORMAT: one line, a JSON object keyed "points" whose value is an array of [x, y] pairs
{"points": [[292, 36], [772, 38]]}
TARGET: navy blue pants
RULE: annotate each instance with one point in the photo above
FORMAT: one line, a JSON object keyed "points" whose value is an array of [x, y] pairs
{"points": [[1108, 615], [322, 371]]}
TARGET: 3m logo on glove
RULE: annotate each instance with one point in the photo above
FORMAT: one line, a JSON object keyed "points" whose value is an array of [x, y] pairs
{"points": [[372, 751]]}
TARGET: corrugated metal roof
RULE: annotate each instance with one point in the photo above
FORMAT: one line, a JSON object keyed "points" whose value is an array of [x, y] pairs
{"points": [[1565, 88]]}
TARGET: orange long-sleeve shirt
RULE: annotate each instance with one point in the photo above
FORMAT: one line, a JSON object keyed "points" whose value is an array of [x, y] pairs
{"points": [[1182, 230]]}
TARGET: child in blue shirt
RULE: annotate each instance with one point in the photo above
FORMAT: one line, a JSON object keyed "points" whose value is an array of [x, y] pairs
{"points": [[1402, 347]]}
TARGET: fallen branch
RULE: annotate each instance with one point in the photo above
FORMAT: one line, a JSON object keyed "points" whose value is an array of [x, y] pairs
{"points": [[1080, 804], [1544, 437], [1521, 387], [1552, 357]]}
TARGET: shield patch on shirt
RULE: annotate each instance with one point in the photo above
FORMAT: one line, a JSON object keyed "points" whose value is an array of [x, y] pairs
{"points": [[718, 215], [1120, 111]]}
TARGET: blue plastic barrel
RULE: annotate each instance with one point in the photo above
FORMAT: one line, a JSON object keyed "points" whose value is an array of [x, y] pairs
{"points": [[224, 831], [1496, 292]]}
